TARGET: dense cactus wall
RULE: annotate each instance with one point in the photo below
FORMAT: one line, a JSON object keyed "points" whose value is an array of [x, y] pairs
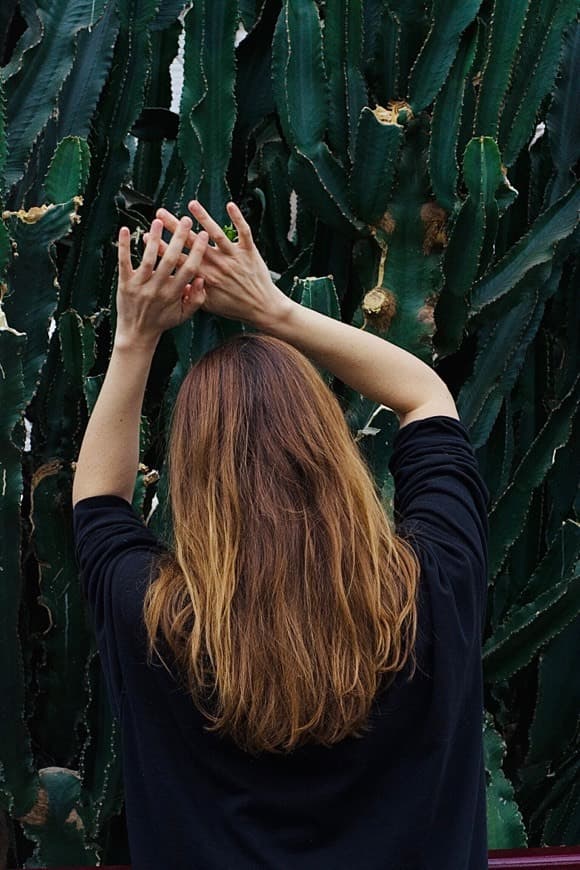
{"points": [[409, 167]]}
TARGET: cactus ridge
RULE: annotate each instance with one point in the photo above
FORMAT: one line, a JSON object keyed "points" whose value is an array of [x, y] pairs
{"points": [[431, 67], [507, 19], [511, 508], [537, 67], [503, 816], [446, 122]]}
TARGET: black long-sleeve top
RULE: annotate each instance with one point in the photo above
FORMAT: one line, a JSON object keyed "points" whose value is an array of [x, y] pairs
{"points": [[408, 795]]}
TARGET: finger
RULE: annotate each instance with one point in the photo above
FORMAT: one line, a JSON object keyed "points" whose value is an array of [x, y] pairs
{"points": [[214, 230], [209, 252], [163, 247], [194, 294], [124, 252], [193, 261], [170, 258], [241, 225], [170, 222], [151, 251]]}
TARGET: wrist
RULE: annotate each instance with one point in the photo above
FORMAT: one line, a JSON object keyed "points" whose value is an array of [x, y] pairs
{"points": [[144, 345], [276, 318]]}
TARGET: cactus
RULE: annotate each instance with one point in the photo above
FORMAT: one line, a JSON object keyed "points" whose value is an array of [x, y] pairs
{"points": [[36, 76], [382, 154], [18, 783], [504, 820]]}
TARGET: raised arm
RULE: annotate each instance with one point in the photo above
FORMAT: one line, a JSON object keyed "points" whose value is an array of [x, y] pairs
{"points": [[238, 285], [371, 365]]}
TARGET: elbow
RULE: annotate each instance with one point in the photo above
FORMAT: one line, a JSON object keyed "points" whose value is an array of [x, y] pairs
{"points": [[440, 403]]}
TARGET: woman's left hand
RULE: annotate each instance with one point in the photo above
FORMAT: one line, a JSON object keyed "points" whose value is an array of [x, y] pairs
{"points": [[151, 300]]}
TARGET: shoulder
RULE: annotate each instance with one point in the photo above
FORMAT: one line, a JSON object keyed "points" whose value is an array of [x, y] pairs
{"points": [[105, 519], [440, 494], [432, 445], [115, 551]]}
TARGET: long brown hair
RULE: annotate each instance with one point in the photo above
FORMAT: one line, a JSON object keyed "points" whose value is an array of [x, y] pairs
{"points": [[286, 591]]}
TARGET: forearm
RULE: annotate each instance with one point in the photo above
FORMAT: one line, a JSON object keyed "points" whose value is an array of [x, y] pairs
{"points": [[109, 456], [378, 369]]}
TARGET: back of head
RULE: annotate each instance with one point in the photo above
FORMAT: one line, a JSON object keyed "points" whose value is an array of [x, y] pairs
{"points": [[287, 594]]}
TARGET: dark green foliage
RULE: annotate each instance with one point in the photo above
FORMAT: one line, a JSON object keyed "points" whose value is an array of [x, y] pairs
{"points": [[373, 146]]}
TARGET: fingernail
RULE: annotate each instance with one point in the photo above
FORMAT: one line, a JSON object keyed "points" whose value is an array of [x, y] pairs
{"points": [[185, 222]]}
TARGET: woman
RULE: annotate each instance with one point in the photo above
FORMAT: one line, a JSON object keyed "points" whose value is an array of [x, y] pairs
{"points": [[298, 683]]}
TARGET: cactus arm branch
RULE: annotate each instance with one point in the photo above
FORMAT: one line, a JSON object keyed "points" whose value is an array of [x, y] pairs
{"points": [[109, 455]]}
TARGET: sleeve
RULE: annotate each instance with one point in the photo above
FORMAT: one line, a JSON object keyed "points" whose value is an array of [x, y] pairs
{"points": [[441, 501], [114, 551]]}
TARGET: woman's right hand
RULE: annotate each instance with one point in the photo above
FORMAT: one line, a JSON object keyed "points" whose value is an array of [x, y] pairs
{"points": [[236, 279]]}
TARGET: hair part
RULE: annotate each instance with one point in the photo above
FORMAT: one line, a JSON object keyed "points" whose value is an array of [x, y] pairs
{"points": [[286, 597]]}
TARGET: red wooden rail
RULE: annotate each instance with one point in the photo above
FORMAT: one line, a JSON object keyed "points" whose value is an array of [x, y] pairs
{"points": [[502, 859], [514, 859]]}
